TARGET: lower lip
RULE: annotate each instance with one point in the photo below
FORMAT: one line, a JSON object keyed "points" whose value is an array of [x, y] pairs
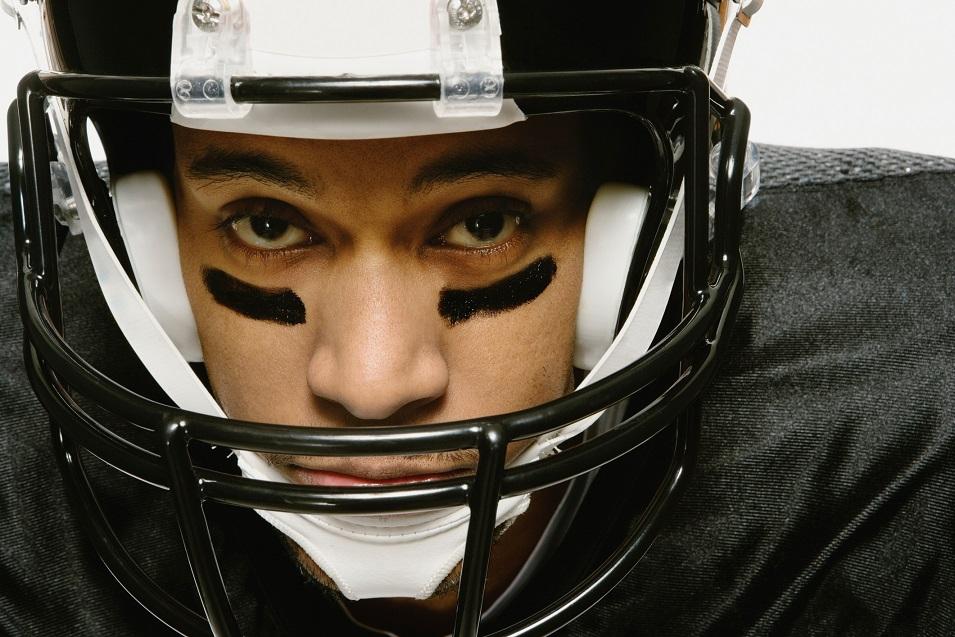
{"points": [[332, 479]]}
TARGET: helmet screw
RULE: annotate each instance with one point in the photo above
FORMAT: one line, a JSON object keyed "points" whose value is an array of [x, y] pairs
{"points": [[207, 14], [464, 14], [458, 88], [489, 87], [210, 88], [184, 90]]}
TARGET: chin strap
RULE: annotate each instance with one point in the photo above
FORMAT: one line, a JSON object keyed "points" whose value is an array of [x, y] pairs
{"points": [[29, 20], [133, 317], [736, 14]]}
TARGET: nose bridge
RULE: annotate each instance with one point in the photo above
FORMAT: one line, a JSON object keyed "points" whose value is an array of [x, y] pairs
{"points": [[379, 347]]}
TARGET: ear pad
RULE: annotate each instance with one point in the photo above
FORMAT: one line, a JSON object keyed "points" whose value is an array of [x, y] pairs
{"points": [[613, 226], [146, 215]]}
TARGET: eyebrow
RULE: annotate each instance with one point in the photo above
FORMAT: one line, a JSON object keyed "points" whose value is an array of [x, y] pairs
{"points": [[217, 164], [477, 164]]}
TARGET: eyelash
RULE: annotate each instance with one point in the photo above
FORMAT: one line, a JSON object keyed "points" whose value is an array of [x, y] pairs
{"points": [[518, 209], [250, 254], [500, 252]]}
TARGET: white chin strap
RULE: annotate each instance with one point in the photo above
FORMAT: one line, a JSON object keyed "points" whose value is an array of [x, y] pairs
{"points": [[367, 556]]}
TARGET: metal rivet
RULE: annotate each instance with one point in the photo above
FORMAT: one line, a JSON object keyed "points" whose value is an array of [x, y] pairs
{"points": [[489, 87], [464, 14], [207, 14], [184, 90], [211, 89], [459, 88]]}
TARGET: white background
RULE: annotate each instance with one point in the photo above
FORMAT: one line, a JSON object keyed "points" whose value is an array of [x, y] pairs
{"points": [[814, 73]]}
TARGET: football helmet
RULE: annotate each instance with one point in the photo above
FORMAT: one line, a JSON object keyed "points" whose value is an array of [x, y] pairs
{"points": [[662, 271]]}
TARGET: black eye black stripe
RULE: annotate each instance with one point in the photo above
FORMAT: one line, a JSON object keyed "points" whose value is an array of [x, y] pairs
{"points": [[456, 306], [277, 305], [283, 306]]}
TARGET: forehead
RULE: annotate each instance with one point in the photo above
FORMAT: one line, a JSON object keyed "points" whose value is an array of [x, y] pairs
{"points": [[557, 139]]}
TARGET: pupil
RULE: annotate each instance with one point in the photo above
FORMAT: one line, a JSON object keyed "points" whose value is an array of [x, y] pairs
{"points": [[485, 227], [269, 228]]}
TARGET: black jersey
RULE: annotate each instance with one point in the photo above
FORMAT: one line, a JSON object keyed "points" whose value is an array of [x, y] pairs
{"points": [[824, 497], [823, 501]]}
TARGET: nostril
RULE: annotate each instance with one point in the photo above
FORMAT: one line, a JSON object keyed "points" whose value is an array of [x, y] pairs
{"points": [[371, 391]]}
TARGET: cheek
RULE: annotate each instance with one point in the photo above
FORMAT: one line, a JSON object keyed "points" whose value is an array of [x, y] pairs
{"points": [[524, 357], [245, 359], [251, 364]]}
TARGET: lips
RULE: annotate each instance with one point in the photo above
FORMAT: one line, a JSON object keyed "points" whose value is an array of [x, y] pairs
{"points": [[324, 478]]}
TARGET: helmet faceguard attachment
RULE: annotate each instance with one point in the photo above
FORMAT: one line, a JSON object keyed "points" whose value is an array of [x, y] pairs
{"points": [[711, 281]]}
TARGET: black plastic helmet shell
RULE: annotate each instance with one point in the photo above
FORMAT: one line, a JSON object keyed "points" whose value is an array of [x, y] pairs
{"points": [[112, 37]]}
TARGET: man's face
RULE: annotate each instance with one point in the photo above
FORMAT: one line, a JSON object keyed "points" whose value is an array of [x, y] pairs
{"points": [[400, 281]]}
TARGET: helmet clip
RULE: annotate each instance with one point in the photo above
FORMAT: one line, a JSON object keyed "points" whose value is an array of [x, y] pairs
{"points": [[210, 44], [64, 204], [466, 49]]}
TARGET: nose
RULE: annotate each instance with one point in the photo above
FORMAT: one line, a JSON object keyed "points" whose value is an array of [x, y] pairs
{"points": [[378, 348]]}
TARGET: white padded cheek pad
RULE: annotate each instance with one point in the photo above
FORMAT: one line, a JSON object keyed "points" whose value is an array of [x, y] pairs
{"points": [[146, 214], [613, 226]]}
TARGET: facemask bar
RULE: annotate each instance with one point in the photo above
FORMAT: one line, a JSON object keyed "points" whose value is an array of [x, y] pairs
{"points": [[711, 306]]}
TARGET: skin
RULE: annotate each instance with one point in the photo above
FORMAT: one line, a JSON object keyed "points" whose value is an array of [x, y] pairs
{"points": [[380, 246]]}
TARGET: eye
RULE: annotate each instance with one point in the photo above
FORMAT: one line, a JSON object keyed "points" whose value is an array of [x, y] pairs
{"points": [[268, 233], [483, 230], [266, 225]]}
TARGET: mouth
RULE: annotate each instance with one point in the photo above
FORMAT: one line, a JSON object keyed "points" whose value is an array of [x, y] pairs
{"points": [[325, 478], [372, 471]]}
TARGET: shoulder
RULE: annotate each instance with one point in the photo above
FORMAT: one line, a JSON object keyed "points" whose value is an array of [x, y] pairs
{"points": [[823, 497]]}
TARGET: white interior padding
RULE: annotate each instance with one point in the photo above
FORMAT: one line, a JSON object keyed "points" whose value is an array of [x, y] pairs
{"points": [[613, 226], [351, 121], [636, 334]]}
